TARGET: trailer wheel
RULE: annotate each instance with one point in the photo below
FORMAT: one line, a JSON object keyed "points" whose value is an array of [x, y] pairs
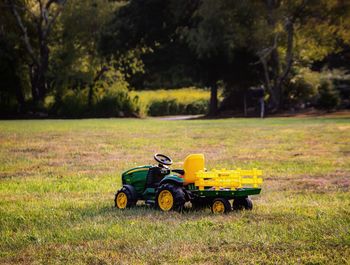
{"points": [[242, 203], [220, 206]]}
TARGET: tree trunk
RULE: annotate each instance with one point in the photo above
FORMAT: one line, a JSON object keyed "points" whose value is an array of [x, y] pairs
{"points": [[289, 27], [245, 104], [213, 106], [268, 82], [274, 60], [38, 83], [42, 69], [276, 71], [91, 87], [33, 82], [278, 75], [19, 96]]}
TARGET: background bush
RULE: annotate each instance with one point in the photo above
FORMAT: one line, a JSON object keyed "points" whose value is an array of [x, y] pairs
{"points": [[174, 107], [328, 95], [73, 104], [112, 102], [302, 88], [116, 102]]}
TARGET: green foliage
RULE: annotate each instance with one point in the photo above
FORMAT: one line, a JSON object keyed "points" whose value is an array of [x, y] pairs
{"points": [[75, 59], [303, 87], [221, 27], [73, 104], [328, 95], [110, 99], [168, 44], [115, 102], [174, 107]]}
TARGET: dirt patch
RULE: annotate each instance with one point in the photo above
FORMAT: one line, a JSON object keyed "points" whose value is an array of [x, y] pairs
{"points": [[316, 184]]}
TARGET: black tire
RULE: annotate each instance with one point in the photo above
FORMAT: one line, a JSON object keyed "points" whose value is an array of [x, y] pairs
{"points": [[242, 203], [178, 195], [199, 204], [220, 205], [131, 196]]}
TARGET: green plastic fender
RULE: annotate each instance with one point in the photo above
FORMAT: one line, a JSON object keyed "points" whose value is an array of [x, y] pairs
{"points": [[172, 179], [136, 177]]}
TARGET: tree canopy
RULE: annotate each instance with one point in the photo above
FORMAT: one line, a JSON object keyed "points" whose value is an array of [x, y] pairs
{"points": [[50, 49]]}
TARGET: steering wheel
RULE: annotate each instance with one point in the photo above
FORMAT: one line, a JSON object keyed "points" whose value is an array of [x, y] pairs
{"points": [[163, 159]]}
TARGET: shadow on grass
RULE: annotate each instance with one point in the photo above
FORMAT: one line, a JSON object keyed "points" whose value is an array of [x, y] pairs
{"points": [[308, 113], [140, 211], [151, 214]]}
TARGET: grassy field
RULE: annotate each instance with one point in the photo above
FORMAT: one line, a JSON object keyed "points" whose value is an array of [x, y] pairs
{"points": [[58, 179]]}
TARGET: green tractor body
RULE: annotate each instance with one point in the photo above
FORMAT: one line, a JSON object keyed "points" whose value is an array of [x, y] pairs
{"points": [[137, 177]]}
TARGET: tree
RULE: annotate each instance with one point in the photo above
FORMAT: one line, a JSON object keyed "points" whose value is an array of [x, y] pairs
{"points": [[298, 31], [219, 34], [36, 20], [76, 58], [202, 41], [147, 30]]}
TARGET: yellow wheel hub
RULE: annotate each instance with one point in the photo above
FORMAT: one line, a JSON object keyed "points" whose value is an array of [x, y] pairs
{"points": [[218, 207], [165, 200], [122, 200]]}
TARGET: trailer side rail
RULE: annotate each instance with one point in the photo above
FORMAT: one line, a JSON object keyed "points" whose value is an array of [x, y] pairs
{"points": [[232, 179]]}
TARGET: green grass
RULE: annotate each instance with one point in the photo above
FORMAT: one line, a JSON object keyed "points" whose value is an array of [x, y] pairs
{"points": [[58, 179]]}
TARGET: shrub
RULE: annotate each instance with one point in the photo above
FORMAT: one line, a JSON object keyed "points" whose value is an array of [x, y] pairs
{"points": [[73, 104], [302, 87], [173, 107], [116, 102], [197, 107], [328, 95], [110, 102]]}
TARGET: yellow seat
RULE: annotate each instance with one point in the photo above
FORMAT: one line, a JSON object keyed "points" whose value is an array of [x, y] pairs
{"points": [[192, 164]]}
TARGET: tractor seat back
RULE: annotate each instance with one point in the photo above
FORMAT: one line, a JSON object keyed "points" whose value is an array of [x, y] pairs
{"points": [[192, 164]]}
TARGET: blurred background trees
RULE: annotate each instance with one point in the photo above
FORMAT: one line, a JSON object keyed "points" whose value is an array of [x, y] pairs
{"points": [[82, 58]]}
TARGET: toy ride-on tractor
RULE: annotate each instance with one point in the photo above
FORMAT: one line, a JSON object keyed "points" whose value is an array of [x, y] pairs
{"points": [[169, 189]]}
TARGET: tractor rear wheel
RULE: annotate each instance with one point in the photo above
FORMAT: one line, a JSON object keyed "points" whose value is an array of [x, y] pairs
{"points": [[220, 206], [242, 203], [170, 197], [125, 197]]}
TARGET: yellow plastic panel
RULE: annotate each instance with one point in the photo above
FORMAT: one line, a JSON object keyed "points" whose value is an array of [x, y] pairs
{"points": [[231, 179], [192, 164]]}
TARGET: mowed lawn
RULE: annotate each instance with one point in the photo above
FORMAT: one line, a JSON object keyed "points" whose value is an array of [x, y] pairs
{"points": [[58, 179]]}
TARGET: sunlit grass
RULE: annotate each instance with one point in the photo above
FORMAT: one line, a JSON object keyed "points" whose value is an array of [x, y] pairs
{"points": [[58, 178]]}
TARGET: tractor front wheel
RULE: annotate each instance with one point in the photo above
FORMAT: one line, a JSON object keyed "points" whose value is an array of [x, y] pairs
{"points": [[125, 197], [170, 197]]}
